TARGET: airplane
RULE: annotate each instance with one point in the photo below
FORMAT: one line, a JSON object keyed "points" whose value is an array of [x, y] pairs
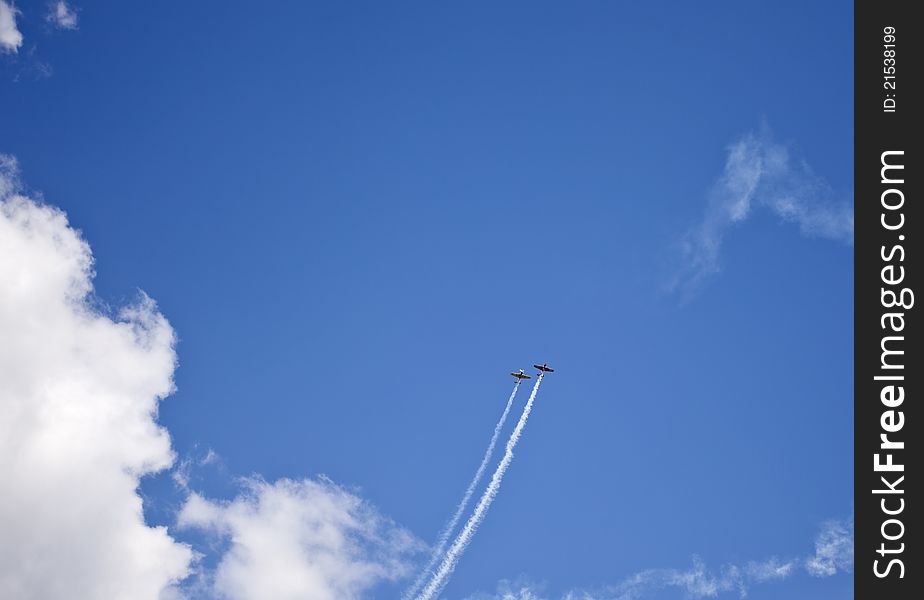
{"points": [[521, 376], [544, 367]]}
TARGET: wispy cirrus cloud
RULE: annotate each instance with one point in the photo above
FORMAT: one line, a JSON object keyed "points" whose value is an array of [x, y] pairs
{"points": [[62, 15], [759, 173], [833, 554], [696, 582], [182, 471], [521, 588], [833, 550]]}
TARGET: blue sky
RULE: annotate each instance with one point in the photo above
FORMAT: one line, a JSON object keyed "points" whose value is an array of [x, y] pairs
{"points": [[359, 218]]}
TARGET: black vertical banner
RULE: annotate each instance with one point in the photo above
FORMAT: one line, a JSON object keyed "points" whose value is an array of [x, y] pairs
{"points": [[887, 172]]}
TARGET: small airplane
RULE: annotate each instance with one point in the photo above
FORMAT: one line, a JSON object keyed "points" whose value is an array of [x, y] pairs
{"points": [[521, 376], [544, 367]]}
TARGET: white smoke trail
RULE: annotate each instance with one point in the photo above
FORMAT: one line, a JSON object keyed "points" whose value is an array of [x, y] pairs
{"points": [[441, 577], [443, 538]]}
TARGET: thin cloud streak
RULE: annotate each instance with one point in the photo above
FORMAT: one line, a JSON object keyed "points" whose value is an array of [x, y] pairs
{"points": [[698, 581], [833, 555], [759, 173]]}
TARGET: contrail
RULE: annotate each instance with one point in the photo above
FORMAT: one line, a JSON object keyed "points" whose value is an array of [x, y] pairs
{"points": [[463, 504], [441, 577]]}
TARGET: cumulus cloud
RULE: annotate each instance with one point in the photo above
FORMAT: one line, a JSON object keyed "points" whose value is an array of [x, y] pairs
{"points": [[79, 394], [759, 173], [298, 539], [10, 36], [833, 554], [62, 15]]}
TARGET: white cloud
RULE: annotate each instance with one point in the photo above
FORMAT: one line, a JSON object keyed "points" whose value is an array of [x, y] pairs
{"points": [[759, 173], [183, 470], [519, 589], [299, 539], [10, 36], [697, 582], [833, 554], [833, 550], [79, 392], [700, 582], [61, 15], [771, 570]]}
